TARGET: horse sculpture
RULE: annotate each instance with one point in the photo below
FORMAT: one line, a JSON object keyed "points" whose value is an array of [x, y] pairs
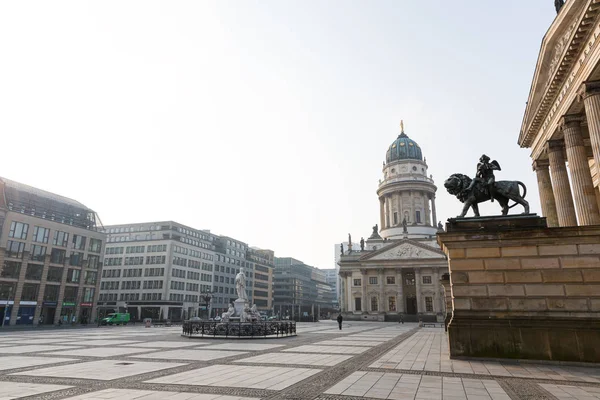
{"points": [[504, 191]]}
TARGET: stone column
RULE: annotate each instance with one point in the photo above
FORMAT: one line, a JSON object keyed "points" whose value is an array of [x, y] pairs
{"points": [[583, 187], [426, 200], [363, 282], [400, 295], [433, 213], [382, 212], [342, 299], [387, 212], [591, 99], [560, 182], [436, 295], [380, 278], [546, 194], [418, 290]]}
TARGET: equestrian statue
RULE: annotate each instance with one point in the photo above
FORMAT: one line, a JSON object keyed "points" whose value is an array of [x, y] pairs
{"points": [[484, 187]]}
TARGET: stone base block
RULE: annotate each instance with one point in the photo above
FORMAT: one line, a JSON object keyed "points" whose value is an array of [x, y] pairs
{"points": [[525, 338], [239, 306]]}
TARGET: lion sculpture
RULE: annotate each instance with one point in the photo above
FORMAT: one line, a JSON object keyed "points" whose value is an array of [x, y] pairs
{"points": [[458, 185]]}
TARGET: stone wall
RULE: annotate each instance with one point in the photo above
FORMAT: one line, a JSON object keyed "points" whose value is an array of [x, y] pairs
{"points": [[522, 290]]}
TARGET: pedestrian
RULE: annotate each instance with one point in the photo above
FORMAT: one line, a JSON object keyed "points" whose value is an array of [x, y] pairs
{"points": [[401, 320], [339, 320]]}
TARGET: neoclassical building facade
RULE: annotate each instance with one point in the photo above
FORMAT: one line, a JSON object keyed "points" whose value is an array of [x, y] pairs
{"points": [[396, 274], [561, 124]]}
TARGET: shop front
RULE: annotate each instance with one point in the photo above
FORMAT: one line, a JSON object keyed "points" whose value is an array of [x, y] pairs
{"points": [[85, 313], [26, 312], [5, 312], [67, 313], [48, 312]]}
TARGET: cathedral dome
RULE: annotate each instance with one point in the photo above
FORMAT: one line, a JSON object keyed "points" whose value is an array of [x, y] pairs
{"points": [[403, 148]]}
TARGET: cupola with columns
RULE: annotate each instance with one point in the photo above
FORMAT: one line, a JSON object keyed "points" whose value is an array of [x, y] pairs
{"points": [[406, 192]]}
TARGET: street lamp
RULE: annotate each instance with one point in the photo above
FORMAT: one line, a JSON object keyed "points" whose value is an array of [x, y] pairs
{"points": [[206, 297], [10, 289]]}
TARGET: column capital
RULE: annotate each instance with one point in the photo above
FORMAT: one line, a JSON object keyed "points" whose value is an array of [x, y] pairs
{"points": [[556, 145], [589, 88], [540, 164], [363, 271], [571, 120]]}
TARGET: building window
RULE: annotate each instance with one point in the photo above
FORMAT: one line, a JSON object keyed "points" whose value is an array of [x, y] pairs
{"points": [[374, 303], [12, 269], [392, 303], [18, 230], [391, 280], [30, 292], [40, 234], [70, 294], [357, 282], [73, 275], [357, 304], [94, 261], [427, 280], [90, 277], [372, 280], [76, 259], [14, 249], [88, 295], [429, 304], [54, 274], [395, 218], [61, 239], [96, 245], [418, 217], [57, 256], [79, 242], [38, 253], [51, 292], [409, 280], [34, 272]]}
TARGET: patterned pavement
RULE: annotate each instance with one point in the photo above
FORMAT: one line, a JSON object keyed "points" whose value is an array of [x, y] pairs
{"points": [[365, 360]]}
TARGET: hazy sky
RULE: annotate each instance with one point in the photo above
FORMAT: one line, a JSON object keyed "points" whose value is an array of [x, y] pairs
{"points": [[267, 121]]}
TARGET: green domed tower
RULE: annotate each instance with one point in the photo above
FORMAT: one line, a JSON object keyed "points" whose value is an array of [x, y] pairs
{"points": [[406, 192]]}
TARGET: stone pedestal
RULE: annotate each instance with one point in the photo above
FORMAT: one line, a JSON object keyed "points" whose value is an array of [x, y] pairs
{"points": [[523, 290], [239, 306]]}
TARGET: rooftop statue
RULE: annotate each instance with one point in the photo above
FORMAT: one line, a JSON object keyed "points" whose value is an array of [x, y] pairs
{"points": [[240, 285], [404, 224], [558, 4], [484, 187]]}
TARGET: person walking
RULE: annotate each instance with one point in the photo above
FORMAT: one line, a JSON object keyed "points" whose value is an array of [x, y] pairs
{"points": [[339, 320]]}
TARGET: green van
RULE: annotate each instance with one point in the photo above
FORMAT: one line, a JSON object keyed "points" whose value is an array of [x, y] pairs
{"points": [[116, 319]]}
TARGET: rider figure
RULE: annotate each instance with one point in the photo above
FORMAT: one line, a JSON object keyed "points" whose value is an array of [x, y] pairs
{"points": [[485, 174]]}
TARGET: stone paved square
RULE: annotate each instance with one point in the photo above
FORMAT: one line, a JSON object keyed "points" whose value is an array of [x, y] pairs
{"points": [[34, 348], [129, 394], [188, 354], [243, 346], [386, 365], [328, 349], [297, 358], [101, 351], [16, 390], [100, 370], [271, 378], [14, 362]]}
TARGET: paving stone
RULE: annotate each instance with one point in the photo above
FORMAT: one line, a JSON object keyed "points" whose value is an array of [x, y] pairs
{"points": [[189, 354], [16, 390]]}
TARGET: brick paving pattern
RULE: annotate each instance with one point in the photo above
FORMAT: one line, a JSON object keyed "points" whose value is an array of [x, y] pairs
{"points": [[366, 360]]}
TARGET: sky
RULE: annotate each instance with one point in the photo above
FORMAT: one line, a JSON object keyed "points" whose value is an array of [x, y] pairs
{"points": [[266, 121]]}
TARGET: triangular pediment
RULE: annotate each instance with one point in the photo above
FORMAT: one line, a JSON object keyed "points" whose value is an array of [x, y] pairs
{"points": [[405, 250]]}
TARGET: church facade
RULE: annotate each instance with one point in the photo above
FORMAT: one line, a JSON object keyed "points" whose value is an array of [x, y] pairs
{"points": [[396, 272]]}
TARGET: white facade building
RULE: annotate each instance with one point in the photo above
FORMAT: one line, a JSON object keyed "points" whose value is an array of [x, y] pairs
{"points": [[397, 273]]}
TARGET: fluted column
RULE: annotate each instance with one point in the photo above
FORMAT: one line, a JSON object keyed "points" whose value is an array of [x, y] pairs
{"points": [[418, 290], [560, 182], [546, 193], [427, 209], [591, 99], [380, 278], [363, 303], [400, 295], [583, 187], [382, 212], [435, 221]]}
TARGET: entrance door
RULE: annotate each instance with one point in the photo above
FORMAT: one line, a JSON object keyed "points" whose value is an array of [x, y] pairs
{"points": [[411, 305]]}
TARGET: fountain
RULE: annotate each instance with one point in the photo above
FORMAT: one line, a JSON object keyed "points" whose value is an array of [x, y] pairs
{"points": [[240, 320]]}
